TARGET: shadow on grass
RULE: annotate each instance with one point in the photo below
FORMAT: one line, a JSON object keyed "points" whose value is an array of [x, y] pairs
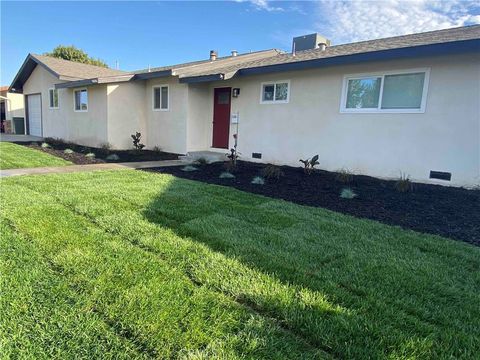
{"points": [[352, 287]]}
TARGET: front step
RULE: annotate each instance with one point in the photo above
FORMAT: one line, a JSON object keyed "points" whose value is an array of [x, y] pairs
{"points": [[210, 156]]}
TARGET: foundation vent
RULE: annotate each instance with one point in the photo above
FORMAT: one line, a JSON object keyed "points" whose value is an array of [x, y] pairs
{"points": [[256, 155], [441, 175]]}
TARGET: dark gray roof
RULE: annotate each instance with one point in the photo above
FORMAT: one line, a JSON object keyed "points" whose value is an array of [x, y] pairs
{"points": [[397, 42]]}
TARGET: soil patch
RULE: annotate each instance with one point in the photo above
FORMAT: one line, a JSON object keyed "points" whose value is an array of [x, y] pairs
{"points": [[447, 211], [79, 152]]}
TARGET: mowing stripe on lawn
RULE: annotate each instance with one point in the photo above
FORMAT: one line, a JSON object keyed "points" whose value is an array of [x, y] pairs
{"points": [[141, 294], [407, 294], [41, 316]]}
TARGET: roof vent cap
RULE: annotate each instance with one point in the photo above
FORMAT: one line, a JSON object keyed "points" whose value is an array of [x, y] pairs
{"points": [[234, 52], [213, 55]]}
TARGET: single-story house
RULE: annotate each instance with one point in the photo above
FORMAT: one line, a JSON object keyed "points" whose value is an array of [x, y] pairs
{"points": [[408, 104]]}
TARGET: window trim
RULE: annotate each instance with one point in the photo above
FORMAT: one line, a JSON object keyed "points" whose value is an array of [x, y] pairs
{"points": [[58, 100], [74, 91], [153, 97], [274, 83], [382, 74]]}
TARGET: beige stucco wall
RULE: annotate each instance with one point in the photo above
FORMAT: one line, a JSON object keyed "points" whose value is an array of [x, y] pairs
{"points": [[86, 128], [126, 113], [445, 138], [200, 117], [15, 106], [168, 129]]}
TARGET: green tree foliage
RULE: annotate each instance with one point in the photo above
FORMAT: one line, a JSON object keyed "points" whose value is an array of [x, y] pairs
{"points": [[74, 54]]}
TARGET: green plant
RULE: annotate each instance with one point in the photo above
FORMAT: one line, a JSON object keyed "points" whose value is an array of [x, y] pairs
{"points": [[347, 193], [106, 146], [272, 172], [90, 155], [136, 141], [68, 151], [72, 53], [226, 175], [113, 157], [45, 145], [344, 176], [189, 168], [309, 164], [201, 161], [404, 184], [157, 149], [258, 180]]}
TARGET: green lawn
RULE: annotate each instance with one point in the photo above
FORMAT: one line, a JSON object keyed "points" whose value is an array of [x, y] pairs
{"points": [[129, 264], [13, 156]]}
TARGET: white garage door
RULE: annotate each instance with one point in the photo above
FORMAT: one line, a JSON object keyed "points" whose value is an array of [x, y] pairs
{"points": [[34, 103]]}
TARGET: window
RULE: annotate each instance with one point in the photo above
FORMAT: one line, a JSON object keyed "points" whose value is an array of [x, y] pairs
{"points": [[401, 91], [80, 100], [275, 92], [53, 98], [160, 98]]}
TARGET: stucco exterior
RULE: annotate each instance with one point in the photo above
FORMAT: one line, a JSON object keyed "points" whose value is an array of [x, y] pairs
{"points": [[14, 106], [87, 128], [445, 138]]}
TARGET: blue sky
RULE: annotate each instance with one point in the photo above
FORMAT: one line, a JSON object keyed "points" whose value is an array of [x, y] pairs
{"points": [[139, 34]]}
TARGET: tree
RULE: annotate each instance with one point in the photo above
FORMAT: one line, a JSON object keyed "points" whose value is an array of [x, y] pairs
{"points": [[74, 54]]}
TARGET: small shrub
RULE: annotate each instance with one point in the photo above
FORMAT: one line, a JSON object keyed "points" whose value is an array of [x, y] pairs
{"points": [[202, 161], [229, 167], [106, 146], [226, 175], [113, 157], [272, 172], [90, 155], [45, 145], [68, 151], [309, 164], [55, 141], [404, 184], [189, 168], [136, 141], [344, 176], [157, 149], [347, 193], [258, 180], [232, 157]]}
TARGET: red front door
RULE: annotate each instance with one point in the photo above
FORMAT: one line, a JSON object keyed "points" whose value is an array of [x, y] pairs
{"points": [[221, 117]]}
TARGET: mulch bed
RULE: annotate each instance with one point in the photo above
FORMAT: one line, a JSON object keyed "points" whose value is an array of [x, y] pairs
{"points": [[447, 211], [78, 156]]}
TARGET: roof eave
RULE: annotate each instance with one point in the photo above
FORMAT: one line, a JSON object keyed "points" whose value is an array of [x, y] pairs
{"points": [[453, 47], [201, 78], [153, 74], [28, 66]]}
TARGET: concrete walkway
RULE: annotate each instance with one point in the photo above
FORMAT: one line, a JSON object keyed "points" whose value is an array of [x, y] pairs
{"points": [[19, 138], [91, 167]]}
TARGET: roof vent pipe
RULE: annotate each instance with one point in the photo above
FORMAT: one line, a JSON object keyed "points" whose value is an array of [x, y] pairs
{"points": [[322, 46], [234, 52], [213, 55]]}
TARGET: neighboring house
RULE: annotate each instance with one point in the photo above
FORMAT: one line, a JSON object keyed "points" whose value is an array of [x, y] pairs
{"points": [[406, 104], [12, 111]]}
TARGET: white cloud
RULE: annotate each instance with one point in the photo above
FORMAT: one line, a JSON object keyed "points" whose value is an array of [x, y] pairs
{"points": [[349, 21], [264, 5]]}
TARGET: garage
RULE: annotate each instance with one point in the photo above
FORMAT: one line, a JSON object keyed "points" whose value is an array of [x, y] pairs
{"points": [[34, 114]]}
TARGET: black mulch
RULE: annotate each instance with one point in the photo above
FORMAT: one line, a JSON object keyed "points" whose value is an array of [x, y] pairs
{"points": [[447, 211], [78, 156]]}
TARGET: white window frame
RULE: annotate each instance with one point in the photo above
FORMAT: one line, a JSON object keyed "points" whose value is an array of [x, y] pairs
{"points": [[378, 109], [74, 91], [153, 97], [58, 98], [274, 83]]}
